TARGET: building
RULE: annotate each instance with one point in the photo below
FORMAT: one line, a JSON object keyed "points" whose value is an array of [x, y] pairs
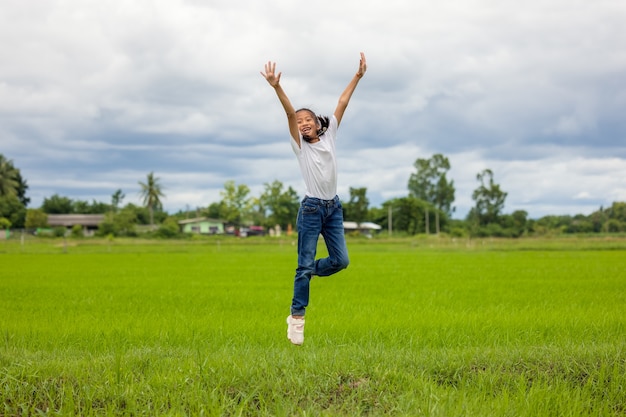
{"points": [[202, 225], [365, 228], [88, 222]]}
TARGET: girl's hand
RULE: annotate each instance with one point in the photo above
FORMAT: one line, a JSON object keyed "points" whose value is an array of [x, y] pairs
{"points": [[362, 66], [270, 74]]}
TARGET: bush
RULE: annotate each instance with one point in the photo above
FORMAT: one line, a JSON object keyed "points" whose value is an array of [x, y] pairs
{"points": [[77, 231], [59, 231], [4, 223], [168, 229]]}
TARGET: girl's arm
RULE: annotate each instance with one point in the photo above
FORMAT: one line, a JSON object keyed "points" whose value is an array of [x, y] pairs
{"points": [[344, 99], [274, 80]]}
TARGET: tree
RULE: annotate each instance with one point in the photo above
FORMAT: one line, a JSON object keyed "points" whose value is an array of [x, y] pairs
{"points": [[116, 199], [489, 199], [5, 224], [80, 207], [21, 189], [13, 200], [356, 209], [168, 229], [514, 225], [151, 193], [407, 214], [216, 210], [57, 204], [122, 223], [9, 183], [236, 204], [282, 205], [35, 218], [13, 210], [430, 184]]}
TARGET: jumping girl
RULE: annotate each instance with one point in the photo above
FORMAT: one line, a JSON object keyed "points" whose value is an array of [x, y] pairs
{"points": [[313, 142]]}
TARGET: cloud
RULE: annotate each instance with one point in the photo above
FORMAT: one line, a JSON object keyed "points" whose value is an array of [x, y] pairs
{"points": [[94, 95]]}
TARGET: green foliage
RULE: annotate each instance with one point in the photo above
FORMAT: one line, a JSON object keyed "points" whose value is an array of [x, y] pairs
{"points": [[4, 223], [95, 207], [430, 183], [116, 199], [410, 215], [57, 204], [236, 204], [21, 189], [77, 231], [617, 211], [216, 210], [36, 218], [168, 229], [356, 209], [8, 178], [151, 193], [11, 182], [59, 231], [615, 226], [14, 210], [281, 206], [122, 223], [489, 200]]}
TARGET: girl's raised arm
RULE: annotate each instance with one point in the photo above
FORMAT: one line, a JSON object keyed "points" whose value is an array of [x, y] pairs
{"points": [[274, 80], [344, 99]]}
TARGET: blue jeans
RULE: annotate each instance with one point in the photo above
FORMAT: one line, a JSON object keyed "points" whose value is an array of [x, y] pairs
{"points": [[317, 217]]}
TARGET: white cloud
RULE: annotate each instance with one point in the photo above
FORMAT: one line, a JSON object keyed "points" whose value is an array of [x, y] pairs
{"points": [[93, 95]]}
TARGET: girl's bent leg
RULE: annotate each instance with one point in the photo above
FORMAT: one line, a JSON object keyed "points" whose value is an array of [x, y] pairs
{"points": [[335, 239]]}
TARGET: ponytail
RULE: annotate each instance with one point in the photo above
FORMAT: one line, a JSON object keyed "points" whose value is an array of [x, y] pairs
{"points": [[324, 121]]}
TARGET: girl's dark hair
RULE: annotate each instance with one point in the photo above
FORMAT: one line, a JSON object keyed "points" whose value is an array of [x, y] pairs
{"points": [[322, 121]]}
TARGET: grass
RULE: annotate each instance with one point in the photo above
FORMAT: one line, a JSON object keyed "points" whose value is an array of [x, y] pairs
{"points": [[413, 327]]}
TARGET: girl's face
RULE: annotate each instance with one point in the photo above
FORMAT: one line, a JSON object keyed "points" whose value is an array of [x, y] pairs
{"points": [[307, 123]]}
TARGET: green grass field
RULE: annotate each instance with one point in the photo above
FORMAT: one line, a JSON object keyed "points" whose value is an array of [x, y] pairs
{"points": [[412, 328]]}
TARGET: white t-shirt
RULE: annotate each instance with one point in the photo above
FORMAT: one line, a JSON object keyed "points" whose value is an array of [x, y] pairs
{"points": [[318, 163]]}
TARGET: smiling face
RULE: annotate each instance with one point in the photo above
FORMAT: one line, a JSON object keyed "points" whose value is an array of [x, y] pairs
{"points": [[307, 123]]}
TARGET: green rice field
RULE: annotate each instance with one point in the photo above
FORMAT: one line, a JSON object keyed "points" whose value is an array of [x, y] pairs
{"points": [[421, 327]]}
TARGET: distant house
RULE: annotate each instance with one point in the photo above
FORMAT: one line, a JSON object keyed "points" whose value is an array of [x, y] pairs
{"points": [[366, 228], [89, 222], [202, 225]]}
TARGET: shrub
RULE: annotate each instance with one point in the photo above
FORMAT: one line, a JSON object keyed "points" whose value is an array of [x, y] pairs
{"points": [[77, 231]]}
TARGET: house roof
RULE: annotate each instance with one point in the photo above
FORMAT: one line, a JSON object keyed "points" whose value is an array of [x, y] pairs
{"points": [[370, 226], [350, 225], [361, 226], [69, 220]]}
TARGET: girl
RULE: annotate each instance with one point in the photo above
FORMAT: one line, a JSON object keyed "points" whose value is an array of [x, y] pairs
{"points": [[313, 142]]}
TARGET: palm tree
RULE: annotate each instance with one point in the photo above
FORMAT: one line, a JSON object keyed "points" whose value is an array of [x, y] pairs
{"points": [[151, 193], [9, 183]]}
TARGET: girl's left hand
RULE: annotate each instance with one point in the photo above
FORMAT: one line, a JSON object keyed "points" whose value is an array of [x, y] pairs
{"points": [[362, 66]]}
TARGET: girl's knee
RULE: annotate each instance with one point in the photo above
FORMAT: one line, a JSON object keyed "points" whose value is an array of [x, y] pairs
{"points": [[343, 262]]}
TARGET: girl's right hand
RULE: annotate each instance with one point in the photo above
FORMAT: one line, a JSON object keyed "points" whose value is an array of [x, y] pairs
{"points": [[270, 74]]}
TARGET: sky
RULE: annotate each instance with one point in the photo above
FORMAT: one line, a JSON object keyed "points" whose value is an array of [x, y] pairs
{"points": [[95, 95]]}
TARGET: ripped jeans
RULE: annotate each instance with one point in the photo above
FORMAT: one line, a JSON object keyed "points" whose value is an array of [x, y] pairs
{"points": [[316, 217]]}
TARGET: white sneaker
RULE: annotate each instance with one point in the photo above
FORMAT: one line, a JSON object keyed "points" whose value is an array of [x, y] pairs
{"points": [[295, 330]]}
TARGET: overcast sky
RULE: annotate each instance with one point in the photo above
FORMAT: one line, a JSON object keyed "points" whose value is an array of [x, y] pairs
{"points": [[94, 95]]}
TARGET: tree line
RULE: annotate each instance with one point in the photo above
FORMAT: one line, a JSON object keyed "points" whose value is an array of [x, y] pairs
{"points": [[427, 208]]}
